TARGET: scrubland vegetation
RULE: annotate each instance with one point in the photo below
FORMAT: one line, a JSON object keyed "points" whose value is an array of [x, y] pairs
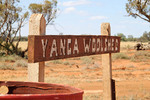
{"points": [[86, 72]]}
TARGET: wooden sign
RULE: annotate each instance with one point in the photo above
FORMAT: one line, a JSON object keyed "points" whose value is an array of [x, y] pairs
{"points": [[50, 47]]}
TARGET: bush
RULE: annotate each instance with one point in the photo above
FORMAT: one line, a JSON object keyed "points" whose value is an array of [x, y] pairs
{"points": [[57, 62], [20, 63], [120, 56], [87, 60], [140, 56], [7, 67], [9, 58], [66, 63]]}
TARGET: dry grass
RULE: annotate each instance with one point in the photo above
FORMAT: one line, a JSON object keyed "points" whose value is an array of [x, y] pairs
{"points": [[86, 76], [23, 45], [141, 56], [20, 63], [120, 56], [5, 66], [9, 58], [128, 45], [94, 96]]}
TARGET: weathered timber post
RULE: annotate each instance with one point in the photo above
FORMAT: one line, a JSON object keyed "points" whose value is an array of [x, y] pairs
{"points": [[107, 66], [37, 26]]}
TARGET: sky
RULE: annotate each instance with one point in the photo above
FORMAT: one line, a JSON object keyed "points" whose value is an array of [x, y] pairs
{"points": [[76, 17]]}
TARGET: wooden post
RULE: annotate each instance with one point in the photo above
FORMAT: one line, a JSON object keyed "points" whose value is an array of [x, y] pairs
{"points": [[113, 89], [107, 66], [37, 26]]}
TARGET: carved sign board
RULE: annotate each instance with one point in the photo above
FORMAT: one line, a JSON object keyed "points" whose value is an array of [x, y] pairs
{"points": [[50, 47]]}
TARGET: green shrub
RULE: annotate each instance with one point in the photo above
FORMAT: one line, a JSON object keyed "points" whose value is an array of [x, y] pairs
{"points": [[87, 60], [140, 56], [128, 47], [66, 63], [130, 66], [76, 58], [9, 58], [7, 67], [93, 96], [120, 56], [57, 62], [20, 63], [143, 53]]}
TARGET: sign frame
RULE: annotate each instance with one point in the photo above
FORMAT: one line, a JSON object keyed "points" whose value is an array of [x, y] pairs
{"points": [[52, 47]]}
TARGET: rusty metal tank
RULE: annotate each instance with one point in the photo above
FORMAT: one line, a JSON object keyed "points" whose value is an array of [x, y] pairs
{"points": [[39, 91]]}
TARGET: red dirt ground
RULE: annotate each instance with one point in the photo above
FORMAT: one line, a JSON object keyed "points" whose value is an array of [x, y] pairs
{"points": [[132, 78]]}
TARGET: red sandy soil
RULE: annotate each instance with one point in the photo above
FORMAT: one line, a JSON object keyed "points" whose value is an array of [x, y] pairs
{"points": [[132, 79]]}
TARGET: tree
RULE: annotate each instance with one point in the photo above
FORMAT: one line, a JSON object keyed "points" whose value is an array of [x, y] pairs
{"points": [[123, 37], [145, 37], [48, 9], [139, 8], [130, 38], [11, 20]]}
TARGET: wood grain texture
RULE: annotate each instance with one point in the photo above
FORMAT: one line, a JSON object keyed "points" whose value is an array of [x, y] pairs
{"points": [[4, 89], [37, 26], [107, 66], [51, 47]]}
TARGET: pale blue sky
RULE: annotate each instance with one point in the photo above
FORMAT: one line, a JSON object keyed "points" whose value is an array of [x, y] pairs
{"points": [[85, 17]]}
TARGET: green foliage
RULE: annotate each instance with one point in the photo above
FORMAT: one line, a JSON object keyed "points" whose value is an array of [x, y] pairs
{"points": [[87, 60], [131, 38], [63, 62], [145, 37], [93, 96], [11, 20], [9, 58], [57, 62], [48, 9], [11, 49], [66, 63], [140, 56], [23, 38], [139, 8], [120, 56], [20, 63], [7, 67], [36, 8], [123, 37]]}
